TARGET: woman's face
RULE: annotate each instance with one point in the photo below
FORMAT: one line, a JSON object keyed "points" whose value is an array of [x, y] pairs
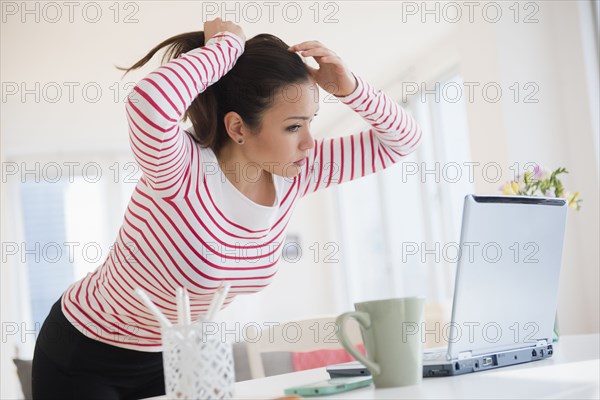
{"points": [[285, 139]]}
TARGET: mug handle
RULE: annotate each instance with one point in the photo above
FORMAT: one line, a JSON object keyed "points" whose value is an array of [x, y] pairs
{"points": [[365, 321]]}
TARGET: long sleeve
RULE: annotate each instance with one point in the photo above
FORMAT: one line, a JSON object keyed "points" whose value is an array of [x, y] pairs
{"points": [[156, 104], [393, 135]]}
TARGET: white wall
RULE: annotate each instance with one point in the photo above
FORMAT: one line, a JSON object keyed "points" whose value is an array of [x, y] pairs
{"points": [[557, 131]]}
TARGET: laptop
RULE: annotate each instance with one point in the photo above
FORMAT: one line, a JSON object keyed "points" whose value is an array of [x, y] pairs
{"points": [[506, 287]]}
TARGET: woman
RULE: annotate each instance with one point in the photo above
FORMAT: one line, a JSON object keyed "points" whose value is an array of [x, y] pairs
{"points": [[213, 203]]}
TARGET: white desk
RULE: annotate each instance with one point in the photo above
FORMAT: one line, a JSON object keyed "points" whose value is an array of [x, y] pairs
{"points": [[572, 372]]}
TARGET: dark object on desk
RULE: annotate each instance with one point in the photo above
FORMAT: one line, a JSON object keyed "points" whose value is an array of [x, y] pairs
{"points": [[352, 368]]}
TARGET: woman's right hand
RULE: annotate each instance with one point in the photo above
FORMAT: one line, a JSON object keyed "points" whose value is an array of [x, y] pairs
{"points": [[215, 26]]}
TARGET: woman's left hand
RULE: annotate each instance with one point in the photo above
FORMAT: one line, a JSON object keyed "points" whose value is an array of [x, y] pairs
{"points": [[332, 75]]}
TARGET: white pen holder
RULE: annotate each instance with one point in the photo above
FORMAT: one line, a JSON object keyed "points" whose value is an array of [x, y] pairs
{"points": [[196, 365]]}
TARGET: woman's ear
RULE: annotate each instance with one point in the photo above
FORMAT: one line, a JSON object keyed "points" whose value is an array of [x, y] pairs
{"points": [[234, 124]]}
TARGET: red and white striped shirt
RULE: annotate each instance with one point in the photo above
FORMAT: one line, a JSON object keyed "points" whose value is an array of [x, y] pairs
{"points": [[187, 225]]}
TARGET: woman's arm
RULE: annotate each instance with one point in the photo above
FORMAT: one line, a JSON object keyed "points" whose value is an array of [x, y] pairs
{"points": [[393, 135], [157, 103]]}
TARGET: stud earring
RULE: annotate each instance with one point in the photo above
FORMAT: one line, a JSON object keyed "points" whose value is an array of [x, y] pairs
{"points": [[240, 141]]}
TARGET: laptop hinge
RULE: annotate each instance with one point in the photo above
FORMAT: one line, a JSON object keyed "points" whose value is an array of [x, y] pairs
{"points": [[465, 354]]}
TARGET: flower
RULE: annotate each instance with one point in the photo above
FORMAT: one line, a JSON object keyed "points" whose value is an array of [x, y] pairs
{"points": [[540, 173], [510, 188], [572, 199], [537, 172], [541, 182]]}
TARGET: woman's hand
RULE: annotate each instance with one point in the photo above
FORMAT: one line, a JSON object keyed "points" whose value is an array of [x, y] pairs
{"points": [[332, 75], [211, 28]]}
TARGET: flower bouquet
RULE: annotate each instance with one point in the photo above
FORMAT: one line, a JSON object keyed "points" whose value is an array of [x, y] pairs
{"points": [[541, 182]]}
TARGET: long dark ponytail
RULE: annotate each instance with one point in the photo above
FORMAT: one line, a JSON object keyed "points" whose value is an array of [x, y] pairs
{"points": [[249, 88]]}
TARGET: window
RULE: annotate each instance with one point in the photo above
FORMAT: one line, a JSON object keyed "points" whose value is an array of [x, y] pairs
{"points": [[596, 17], [49, 272], [589, 14], [69, 225], [400, 227]]}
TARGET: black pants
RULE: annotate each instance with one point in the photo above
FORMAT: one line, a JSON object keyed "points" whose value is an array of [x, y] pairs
{"points": [[69, 365]]}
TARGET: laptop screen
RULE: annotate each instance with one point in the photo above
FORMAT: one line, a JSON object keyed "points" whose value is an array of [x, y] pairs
{"points": [[506, 286]]}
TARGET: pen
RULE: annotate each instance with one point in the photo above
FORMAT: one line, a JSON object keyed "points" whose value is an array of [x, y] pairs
{"points": [[218, 300], [180, 312], [187, 312], [157, 313]]}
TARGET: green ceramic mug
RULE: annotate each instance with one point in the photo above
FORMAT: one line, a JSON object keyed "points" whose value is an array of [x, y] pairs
{"points": [[391, 332]]}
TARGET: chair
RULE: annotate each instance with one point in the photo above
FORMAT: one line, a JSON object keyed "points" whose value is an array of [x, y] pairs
{"points": [[277, 362], [436, 324], [24, 374], [295, 336]]}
